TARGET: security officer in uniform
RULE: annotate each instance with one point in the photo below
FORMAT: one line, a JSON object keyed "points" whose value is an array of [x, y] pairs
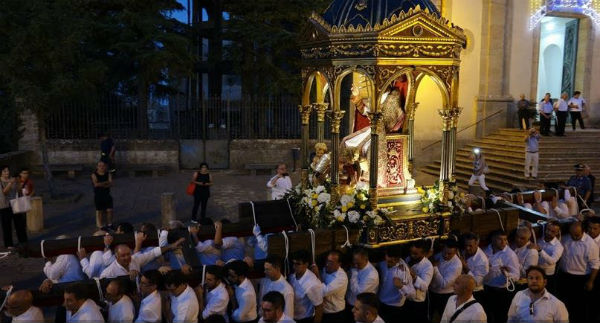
{"points": [[582, 184]]}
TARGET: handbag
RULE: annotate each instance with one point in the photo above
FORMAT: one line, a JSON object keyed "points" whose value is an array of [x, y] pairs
{"points": [[20, 204], [190, 188]]}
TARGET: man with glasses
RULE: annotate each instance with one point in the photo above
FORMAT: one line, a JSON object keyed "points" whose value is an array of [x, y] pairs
{"points": [[275, 281], [536, 304], [308, 294], [184, 303], [334, 284], [243, 298], [150, 307], [272, 307]]}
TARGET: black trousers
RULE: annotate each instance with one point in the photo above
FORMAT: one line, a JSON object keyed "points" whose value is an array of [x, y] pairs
{"points": [[496, 303], [334, 317], [561, 121], [552, 284], [200, 201], [544, 125], [390, 313], [437, 306], [523, 115], [578, 301], [576, 115], [306, 320], [20, 221], [416, 312]]}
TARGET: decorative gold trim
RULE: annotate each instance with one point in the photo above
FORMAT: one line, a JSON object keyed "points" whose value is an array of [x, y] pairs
{"points": [[305, 113], [320, 108], [336, 120]]}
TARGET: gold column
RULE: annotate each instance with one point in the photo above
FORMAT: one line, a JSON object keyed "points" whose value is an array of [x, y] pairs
{"points": [[446, 160], [320, 108], [411, 134], [305, 113], [455, 112], [376, 124], [336, 119]]}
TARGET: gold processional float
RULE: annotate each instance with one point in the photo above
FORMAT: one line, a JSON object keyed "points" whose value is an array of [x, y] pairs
{"points": [[363, 62]]}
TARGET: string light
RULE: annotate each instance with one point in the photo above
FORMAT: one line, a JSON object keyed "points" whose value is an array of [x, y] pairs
{"points": [[540, 8]]}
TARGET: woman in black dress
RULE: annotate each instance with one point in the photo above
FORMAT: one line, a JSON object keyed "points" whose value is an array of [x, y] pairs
{"points": [[102, 181], [203, 181]]}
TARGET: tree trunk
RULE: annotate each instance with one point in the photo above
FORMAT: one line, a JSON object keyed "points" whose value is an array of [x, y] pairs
{"points": [[142, 108], [45, 159]]}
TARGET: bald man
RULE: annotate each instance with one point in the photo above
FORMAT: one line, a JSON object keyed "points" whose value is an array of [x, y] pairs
{"points": [[463, 307], [20, 309]]}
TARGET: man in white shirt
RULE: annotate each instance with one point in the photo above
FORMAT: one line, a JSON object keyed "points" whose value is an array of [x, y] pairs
{"points": [[395, 285], [446, 268], [184, 303], [308, 293], [280, 183], [334, 285], [64, 268], [272, 304], [474, 262], [421, 271], [593, 230], [124, 264], [578, 270], [79, 307], [242, 295], [365, 309], [523, 248], [550, 250], [216, 298], [99, 259], [576, 108], [151, 305], [19, 307], [275, 281], [209, 251], [504, 269], [562, 109], [536, 304], [120, 306], [463, 307], [363, 276]]}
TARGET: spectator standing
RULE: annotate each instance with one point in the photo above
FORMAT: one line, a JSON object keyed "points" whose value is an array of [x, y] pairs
{"points": [[462, 307], [582, 184], [107, 151], [523, 113], [479, 169], [8, 191], [25, 187], [588, 172], [281, 183], [545, 108], [102, 181], [203, 180], [532, 155], [576, 108], [562, 109]]}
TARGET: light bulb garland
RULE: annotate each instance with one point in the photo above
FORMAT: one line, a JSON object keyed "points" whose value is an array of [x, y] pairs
{"points": [[540, 9]]}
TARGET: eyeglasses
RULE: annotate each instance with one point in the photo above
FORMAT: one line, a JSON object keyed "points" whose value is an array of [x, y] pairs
{"points": [[531, 308]]}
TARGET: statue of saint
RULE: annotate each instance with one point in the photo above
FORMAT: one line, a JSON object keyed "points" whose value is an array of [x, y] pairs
{"points": [[361, 110], [320, 164]]}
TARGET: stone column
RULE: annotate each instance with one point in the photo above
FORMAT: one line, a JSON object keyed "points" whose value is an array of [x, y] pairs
{"points": [[320, 108], [35, 217], [305, 113], [411, 134], [336, 119], [376, 124], [447, 155], [167, 208]]}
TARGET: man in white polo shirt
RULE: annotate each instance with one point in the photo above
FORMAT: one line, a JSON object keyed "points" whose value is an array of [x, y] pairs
{"points": [[576, 108]]}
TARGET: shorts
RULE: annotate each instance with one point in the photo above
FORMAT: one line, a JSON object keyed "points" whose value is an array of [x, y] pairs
{"points": [[103, 202]]}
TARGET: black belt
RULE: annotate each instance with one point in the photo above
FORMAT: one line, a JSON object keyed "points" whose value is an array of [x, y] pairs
{"points": [[532, 152]]}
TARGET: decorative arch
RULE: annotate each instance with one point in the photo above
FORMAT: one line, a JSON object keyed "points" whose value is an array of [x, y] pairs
{"points": [[338, 84], [438, 81], [313, 78]]}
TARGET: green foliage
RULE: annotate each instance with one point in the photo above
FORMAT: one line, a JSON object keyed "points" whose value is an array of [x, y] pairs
{"points": [[265, 48]]}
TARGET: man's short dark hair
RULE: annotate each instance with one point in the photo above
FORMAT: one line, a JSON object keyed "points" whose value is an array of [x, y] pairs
{"points": [[301, 255], [77, 289], [175, 278], [120, 284], [470, 236], [148, 228], [275, 298], [361, 251], [336, 253], [497, 233], [215, 318], [215, 270], [576, 92], [369, 299], [394, 252], [421, 244], [538, 269], [239, 267], [154, 277], [23, 169], [125, 227], [593, 220], [275, 261]]}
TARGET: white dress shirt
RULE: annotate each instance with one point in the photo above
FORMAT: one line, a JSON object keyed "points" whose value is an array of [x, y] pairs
{"points": [[282, 286], [87, 313], [65, 269], [284, 319], [472, 314], [146, 258], [33, 314], [505, 257], [150, 309], [95, 265], [233, 249], [122, 311], [365, 280], [334, 288], [308, 294], [388, 293], [547, 308], [115, 269], [561, 211], [444, 274], [579, 256], [207, 252], [281, 186], [378, 319], [245, 296], [561, 105], [185, 307], [578, 102], [424, 272], [527, 258], [549, 255], [216, 302], [478, 268], [597, 240]]}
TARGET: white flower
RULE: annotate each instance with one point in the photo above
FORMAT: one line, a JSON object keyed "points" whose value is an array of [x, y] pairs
{"points": [[318, 208], [353, 216], [345, 199], [324, 198], [362, 186], [320, 189], [339, 216], [371, 214]]}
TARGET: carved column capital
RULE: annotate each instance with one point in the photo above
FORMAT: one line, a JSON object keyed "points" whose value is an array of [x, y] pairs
{"points": [[320, 108], [336, 120], [447, 119], [305, 112], [455, 115]]}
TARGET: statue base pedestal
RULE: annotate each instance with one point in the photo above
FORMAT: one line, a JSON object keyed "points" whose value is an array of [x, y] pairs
{"points": [[408, 228]]}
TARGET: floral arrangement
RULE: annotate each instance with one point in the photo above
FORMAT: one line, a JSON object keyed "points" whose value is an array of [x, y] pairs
{"points": [[432, 198]]}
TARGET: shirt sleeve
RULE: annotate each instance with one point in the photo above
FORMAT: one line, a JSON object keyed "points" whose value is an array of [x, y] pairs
{"points": [[162, 238], [593, 255], [243, 306], [335, 285], [513, 267], [479, 271], [512, 310], [315, 294], [532, 259], [447, 312], [443, 281], [54, 271], [561, 314], [85, 267], [108, 258], [203, 246], [371, 283], [216, 305], [142, 258], [269, 185], [422, 283], [552, 257]]}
